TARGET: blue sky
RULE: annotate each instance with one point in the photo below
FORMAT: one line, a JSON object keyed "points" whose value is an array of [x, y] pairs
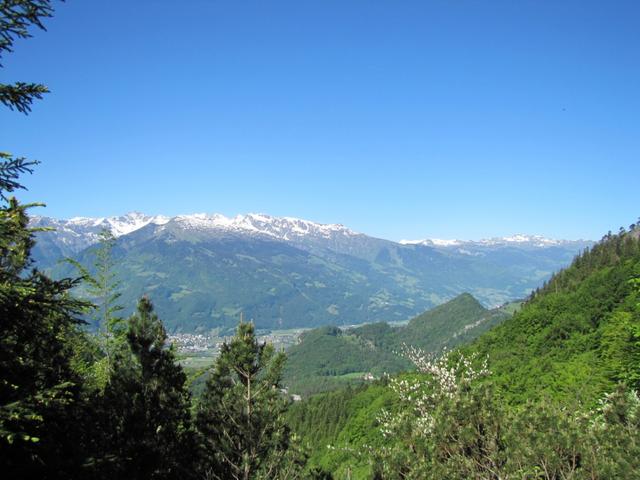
{"points": [[400, 119]]}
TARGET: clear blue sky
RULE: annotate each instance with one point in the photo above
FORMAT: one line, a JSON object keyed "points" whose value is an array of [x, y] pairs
{"points": [[400, 119]]}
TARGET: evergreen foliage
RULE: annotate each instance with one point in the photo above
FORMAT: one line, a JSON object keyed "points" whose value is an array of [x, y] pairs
{"points": [[16, 18], [102, 285], [144, 410], [38, 386], [40, 389], [240, 417]]}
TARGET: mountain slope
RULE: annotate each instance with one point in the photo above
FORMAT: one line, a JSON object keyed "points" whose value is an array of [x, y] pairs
{"points": [[571, 344], [578, 335], [327, 357], [202, 270]]}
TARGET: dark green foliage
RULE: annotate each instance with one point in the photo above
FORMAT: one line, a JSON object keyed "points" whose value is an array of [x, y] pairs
{"points": [[144, 410], [336, 426], [38, 387], [21, 95], [16, 17], [328, 358], [240, 416], [10, 170], [449, 324], [320, 419], [101, 287]]}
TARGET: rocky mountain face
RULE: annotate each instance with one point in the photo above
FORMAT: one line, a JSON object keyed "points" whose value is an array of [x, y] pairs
{"points": [[202, 270]]}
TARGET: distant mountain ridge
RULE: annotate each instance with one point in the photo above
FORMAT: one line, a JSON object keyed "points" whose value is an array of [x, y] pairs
{"points": [[519, 239], [281, 228], [202, 270]]}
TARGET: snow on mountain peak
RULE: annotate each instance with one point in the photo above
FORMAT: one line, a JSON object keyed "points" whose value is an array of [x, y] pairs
{"points": [[432, 242], [520, 239], [284, 228], [119, 226], [85, 230]]}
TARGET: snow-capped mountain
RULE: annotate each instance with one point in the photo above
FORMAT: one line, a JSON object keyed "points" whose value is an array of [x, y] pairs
{"points": [[80, 232], [203, 269], [515, 240], [281, 228], [83, 231], [75, 234]]}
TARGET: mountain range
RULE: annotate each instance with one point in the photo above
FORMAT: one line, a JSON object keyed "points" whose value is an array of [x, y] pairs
{"points": [[202, 270]]}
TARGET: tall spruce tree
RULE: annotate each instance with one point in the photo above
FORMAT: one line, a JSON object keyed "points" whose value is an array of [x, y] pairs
{"points": [[145, 407], [240, 416], [103, 285]]}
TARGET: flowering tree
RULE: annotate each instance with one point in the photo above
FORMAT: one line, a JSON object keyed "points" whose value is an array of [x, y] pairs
{"points": [[445, 425], [451, 423]]}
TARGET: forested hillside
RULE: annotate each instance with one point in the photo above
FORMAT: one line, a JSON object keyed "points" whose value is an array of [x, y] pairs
{"points": [[551, 390], [579, 334], [330, 357]]}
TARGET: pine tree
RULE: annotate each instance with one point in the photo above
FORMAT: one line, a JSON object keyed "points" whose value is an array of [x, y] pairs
{"points": [[145, 407], [240, 416]]}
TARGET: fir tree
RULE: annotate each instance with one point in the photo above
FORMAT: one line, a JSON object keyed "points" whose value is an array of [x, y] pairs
{"points": [[103, 286], [240, 417]]}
